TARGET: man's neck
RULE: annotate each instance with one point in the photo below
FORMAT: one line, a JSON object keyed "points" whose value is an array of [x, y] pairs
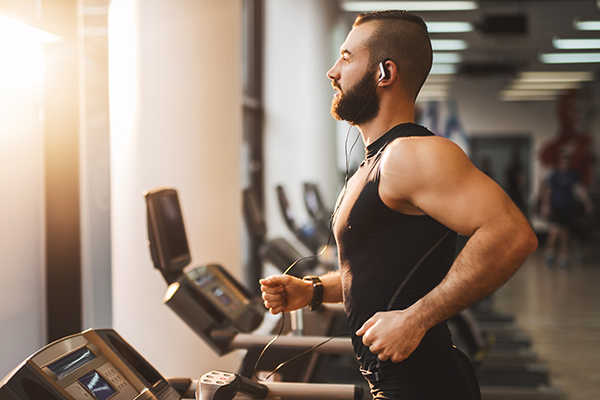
{"points": [[374, 129]]}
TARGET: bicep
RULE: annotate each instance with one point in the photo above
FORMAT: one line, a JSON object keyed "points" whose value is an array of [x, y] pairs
{"points": [[465, 200]]}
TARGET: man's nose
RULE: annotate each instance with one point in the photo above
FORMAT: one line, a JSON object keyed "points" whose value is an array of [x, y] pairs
{"points": [[333, 73]]}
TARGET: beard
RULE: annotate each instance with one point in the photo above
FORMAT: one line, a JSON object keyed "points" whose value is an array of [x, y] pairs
{"points": [[359, 104]]}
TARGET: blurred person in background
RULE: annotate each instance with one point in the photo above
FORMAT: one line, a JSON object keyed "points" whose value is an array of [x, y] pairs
{"points": [[559, 204]]}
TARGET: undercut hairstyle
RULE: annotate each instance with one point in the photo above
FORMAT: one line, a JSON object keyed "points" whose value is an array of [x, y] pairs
{"points": [[402, 37]]}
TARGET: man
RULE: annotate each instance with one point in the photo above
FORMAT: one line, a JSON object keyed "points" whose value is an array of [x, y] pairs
{"points": [[396, 224]]}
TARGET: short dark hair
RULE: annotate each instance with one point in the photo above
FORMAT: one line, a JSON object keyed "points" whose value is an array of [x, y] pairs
{"points": [[402, 37]]}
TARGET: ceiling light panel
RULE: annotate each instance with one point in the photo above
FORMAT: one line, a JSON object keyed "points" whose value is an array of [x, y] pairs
{"points": [[448, 44], [557, 76], [586, 25], [544, 85], [450, 27], [569, 58], [446, 58], [364, 6], [576, 44]]}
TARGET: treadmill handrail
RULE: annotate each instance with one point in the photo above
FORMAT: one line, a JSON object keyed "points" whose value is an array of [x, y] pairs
{"points": [[333, 346]]}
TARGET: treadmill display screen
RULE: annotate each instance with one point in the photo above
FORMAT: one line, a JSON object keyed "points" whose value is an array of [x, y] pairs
{"points": [[204, 280], [96, 384], [173, 227], [71, 362], [223, 298]]}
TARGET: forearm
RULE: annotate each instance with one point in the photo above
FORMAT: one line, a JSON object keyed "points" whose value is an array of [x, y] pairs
{"points": [[487, 261]]}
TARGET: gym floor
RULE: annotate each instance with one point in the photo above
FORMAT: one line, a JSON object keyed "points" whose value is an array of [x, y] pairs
{"points": [[560, 310]]}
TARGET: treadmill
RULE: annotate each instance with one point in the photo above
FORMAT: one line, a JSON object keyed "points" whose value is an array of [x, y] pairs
{"points": [[315, 206], [278, 251], [98, 364], [220, 310], [313, 236]]}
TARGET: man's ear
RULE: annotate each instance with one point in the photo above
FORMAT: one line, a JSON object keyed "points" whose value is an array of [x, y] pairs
{"points": [[388, 72]]}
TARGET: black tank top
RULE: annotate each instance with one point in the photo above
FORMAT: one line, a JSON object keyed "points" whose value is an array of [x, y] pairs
{"points": [[379, 247]]}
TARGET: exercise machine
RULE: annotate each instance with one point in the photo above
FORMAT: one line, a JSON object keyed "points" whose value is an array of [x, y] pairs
{"points": [[315, 206], [313, 236], [220, 310], [278, 251]]}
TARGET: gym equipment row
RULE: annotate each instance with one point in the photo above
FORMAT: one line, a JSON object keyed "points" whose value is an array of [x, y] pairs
{"points": [[99, 364]]}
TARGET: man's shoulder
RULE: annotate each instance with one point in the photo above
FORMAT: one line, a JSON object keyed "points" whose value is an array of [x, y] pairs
{"points": [[419, 158], [425, 145]]}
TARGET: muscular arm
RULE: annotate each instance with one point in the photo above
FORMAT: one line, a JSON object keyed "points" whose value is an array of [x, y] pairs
{"points": [[433, 176], [287, 293]]}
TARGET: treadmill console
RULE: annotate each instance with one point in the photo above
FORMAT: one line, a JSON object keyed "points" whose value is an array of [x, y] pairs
{"points": [[93, 365], [212, 302], [207, 298]]}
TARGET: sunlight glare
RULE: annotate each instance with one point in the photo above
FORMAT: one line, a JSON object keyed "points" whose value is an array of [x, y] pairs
{"points": [[21, 53]]}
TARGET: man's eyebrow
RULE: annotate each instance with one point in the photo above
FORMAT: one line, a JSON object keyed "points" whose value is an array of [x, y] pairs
{"points": [[345, 52]]}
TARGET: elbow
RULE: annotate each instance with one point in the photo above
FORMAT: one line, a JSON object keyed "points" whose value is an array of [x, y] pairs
{"points": [[533, 242], [528, 242]]}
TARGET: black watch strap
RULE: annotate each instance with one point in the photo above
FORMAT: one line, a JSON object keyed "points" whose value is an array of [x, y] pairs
{"points": [[318, 290]]}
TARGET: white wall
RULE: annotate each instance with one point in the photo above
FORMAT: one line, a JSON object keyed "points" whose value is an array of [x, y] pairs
{"points": [[482, 113], [300, 134], [21, 214], [174, 75]]}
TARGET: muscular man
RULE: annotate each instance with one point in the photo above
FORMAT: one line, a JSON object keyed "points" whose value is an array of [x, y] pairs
{"points": [[397, 221]]}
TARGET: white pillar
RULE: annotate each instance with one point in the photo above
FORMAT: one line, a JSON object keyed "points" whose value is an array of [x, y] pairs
{"points": [[175, 102], [22, 316], [300, 134]]}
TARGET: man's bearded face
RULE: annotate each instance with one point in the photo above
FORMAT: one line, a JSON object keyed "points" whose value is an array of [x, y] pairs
{"points": [[359, 104]]}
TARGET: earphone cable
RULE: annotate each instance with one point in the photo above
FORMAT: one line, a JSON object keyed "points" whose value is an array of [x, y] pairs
{"points": [[347, 155]]}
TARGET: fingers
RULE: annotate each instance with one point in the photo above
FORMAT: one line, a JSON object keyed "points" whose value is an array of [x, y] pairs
{"points": [[274, 300], [275, 280], [371, 340], [273, 294], [366, 326], [367, 334], [276, 310], [285, 293], [272, 289]]}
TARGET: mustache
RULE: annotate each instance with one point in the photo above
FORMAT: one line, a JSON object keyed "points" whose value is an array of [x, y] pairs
{"points": [[336, 85]]}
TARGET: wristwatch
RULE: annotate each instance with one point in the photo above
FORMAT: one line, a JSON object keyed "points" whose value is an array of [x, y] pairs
{"points": [[317, 299]]}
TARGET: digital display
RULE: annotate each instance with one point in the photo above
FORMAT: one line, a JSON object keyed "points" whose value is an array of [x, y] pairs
{"points": [[96, 384], [204, 280], [173, 227], [71, 362], [223, 298]]}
